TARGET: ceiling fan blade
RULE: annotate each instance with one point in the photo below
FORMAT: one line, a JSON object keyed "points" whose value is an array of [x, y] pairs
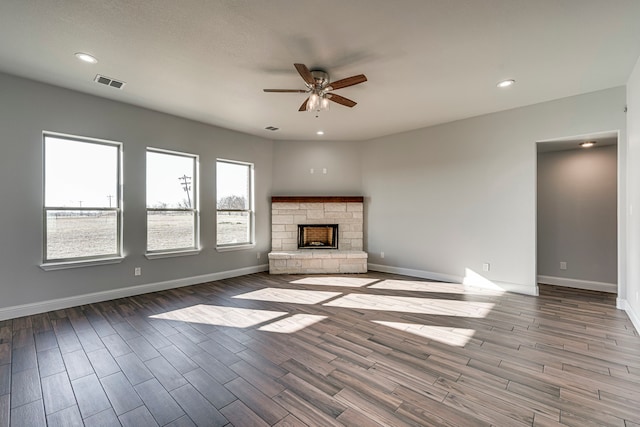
{"points": [[305, 73], [341, 100], [285, 90], [303, 107], [349, 81]]}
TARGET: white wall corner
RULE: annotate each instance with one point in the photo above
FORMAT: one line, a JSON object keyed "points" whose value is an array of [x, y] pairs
{"points": [[61, 303]]}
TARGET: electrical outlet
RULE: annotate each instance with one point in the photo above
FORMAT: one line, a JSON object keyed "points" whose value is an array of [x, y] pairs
{"points": [[258, 255], [311, 171], [381, 254], [563, 265], [324, 171], [137, 271], [486, 266]]}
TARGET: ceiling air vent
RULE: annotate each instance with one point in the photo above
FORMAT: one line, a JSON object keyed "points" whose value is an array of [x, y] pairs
{"points": [[108, 81], [271, 128]]}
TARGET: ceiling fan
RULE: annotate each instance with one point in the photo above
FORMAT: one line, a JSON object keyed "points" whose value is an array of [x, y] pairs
{"points": [[319, 88]]}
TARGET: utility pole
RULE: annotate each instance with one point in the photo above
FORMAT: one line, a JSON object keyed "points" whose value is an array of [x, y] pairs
{"points": [[109, 197], [186, 186]]}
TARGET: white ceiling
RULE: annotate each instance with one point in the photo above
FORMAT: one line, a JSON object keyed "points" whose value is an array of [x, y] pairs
{"points": [[427, 61]]}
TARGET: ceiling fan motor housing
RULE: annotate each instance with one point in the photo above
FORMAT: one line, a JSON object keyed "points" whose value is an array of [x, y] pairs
{"points": [[321, 78]]}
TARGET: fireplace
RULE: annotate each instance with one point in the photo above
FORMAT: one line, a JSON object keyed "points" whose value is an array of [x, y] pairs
{"points": [[317, 236], [334, 218]]}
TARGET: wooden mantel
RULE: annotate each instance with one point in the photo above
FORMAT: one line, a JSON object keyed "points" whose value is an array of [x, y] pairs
{"points": [[317, 199]]}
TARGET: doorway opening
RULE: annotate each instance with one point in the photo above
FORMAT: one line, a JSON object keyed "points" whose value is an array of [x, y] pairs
{"points": [[577, 212]]}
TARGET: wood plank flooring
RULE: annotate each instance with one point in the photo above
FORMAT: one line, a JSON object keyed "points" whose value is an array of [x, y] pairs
{"points": [[355, 350]]}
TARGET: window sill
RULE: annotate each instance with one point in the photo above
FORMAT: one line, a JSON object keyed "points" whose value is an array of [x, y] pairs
{"points": [[52, 266], [240, 247], [171, 254]]}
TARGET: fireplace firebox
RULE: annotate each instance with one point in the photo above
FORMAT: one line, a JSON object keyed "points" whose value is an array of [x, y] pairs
{"points": [[317, 236]]}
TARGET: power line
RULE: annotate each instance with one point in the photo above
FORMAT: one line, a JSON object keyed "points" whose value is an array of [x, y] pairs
{"points": [[186, 186]]}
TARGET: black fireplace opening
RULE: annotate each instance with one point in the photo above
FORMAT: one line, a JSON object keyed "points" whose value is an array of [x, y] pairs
{"points": [[317, 236]]}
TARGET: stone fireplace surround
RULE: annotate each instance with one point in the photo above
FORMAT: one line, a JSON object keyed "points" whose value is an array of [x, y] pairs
{"points": [[287, 212]]}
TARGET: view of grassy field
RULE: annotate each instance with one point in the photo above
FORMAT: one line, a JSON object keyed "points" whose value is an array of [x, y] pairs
{"points": [[94, 233], [169, 230], [233, 227]]}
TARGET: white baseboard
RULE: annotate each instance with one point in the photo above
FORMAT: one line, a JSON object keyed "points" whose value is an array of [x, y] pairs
{"points": [[487, 284], [580, 284], [60, 303], [422, 274], [623, 304]]}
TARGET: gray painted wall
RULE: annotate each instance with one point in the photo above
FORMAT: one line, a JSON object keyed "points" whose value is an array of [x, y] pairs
{"points": [[293, 161], [577, 214], [446, 199], [27, 108]]}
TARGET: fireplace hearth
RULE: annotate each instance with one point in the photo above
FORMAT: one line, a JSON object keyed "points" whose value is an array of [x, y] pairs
{"points": [[317, 236]]}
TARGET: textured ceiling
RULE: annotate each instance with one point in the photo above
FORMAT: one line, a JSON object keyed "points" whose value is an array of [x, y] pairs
{"points": [[427, 61]]}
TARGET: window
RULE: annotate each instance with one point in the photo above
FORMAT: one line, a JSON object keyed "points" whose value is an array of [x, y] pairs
{"points": [[172, 201], [82, 208], [234, 203]]}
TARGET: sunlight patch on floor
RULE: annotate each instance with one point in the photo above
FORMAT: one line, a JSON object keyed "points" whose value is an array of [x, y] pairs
{"points": [[458, 337], [221, 316], [439, 287], [292, 324], [293, 296], [442, 307], [352, 282], [476, 280]]}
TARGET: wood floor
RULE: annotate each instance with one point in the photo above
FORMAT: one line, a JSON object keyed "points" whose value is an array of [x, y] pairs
{"points": [[361, 350]]}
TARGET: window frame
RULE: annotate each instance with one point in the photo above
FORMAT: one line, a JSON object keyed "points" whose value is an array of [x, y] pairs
{"points": [[195, 209], [222, 247], [89, 260]]}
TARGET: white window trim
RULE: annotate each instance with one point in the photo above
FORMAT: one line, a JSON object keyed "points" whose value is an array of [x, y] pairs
{"points": [[228, 247], [60, 264], [192, 250], [52, 266], [235, 247], [171, 253]]}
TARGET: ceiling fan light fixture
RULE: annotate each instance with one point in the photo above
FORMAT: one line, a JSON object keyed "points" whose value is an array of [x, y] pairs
{"points": [[313, 103], [317, 102]]}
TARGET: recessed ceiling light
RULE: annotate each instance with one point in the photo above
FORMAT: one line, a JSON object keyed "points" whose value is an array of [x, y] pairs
{"points": [[506, 83], [85, 57], [320, 132], [587, 144]]}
